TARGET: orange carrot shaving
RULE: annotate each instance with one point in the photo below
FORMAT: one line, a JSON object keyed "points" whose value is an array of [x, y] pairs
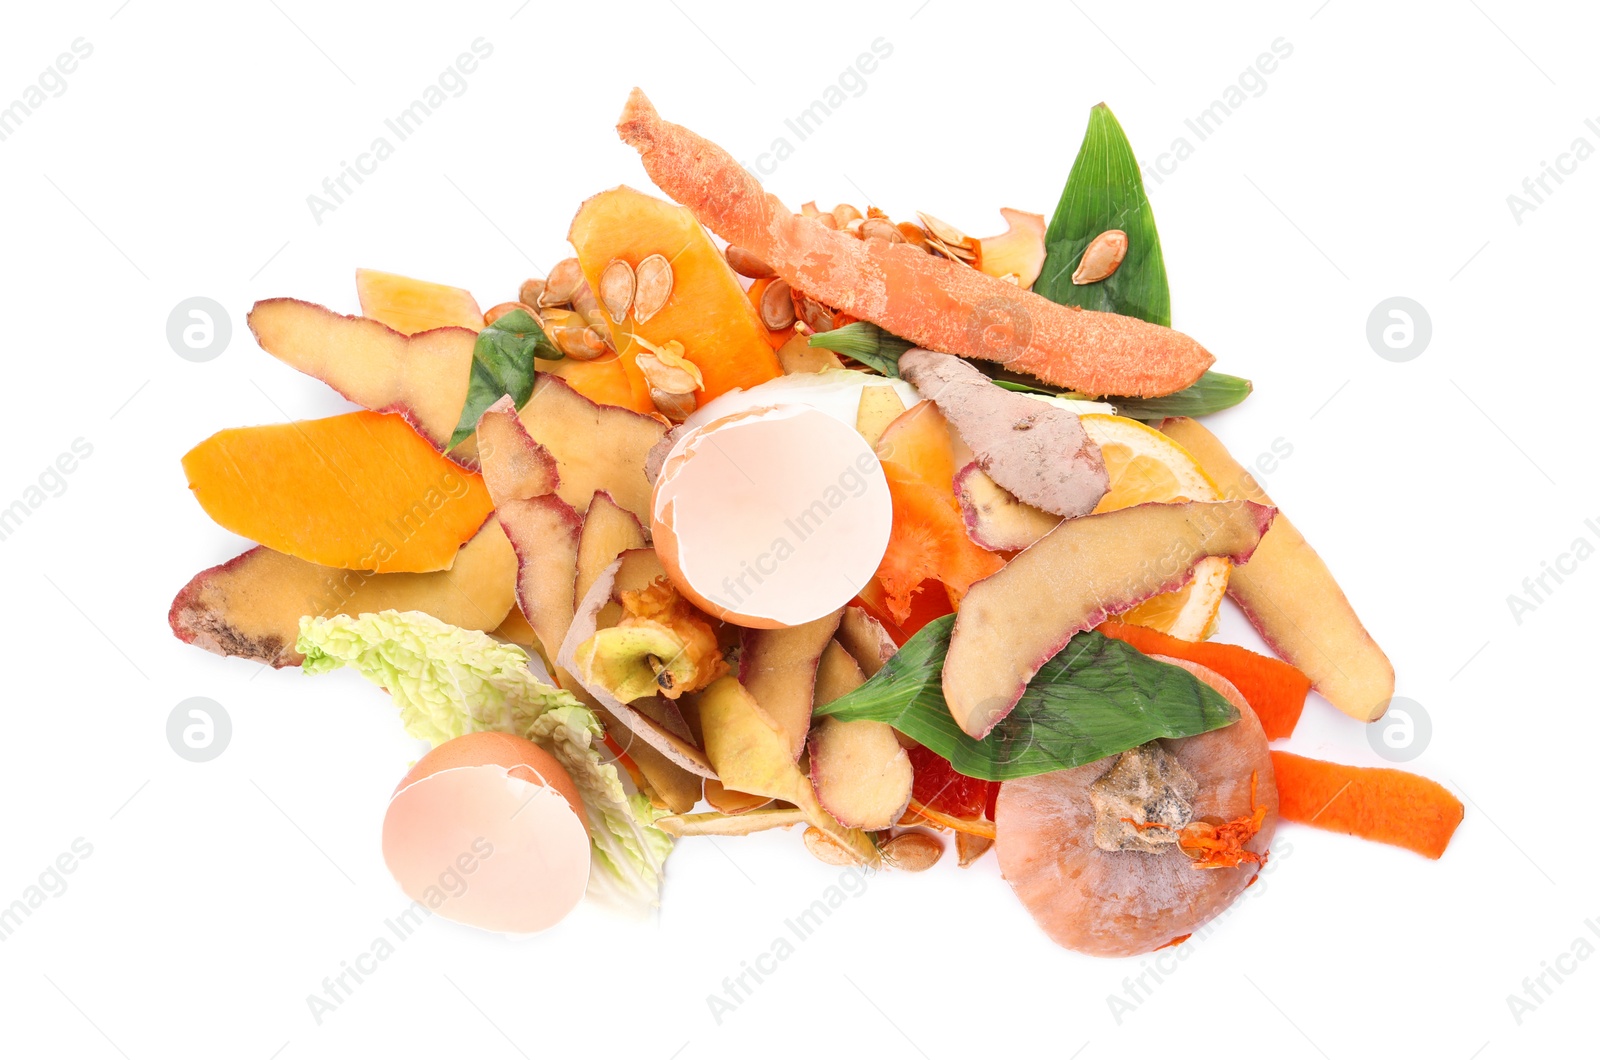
{"points": [[1221, 846], [1275, 690], [971, 826], [935, 303], [929, 538], [1387, 805]]}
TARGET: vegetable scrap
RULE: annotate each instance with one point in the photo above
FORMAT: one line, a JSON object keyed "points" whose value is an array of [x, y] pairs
{"points": [[747, 520], [1385, 805]]}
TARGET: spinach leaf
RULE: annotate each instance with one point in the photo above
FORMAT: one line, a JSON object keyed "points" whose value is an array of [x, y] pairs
{"points": [[1103, 192], [1096, 698], [502, 363]]}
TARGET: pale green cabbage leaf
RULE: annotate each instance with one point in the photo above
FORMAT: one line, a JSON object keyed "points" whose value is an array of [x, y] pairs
{"points": [[449, 681]]}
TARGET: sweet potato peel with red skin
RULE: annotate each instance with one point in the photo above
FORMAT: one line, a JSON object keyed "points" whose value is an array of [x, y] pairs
{"points": [[1013, 622], [933, 302]]}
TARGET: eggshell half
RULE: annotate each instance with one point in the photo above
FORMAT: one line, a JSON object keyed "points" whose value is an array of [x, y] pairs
{"points": [[487, 830], [771, 516]]}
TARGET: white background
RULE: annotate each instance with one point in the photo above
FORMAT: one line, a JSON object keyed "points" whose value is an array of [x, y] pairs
{"points": [[1377, 162]]}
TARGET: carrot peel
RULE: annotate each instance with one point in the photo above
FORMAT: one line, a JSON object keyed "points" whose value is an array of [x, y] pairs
{"points": [[1386, 805], [935, 303]]}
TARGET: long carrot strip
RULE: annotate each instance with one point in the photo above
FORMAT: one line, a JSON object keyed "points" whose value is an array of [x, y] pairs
{"points": [[1275, 690], [1386, 805], [934, 303], [971, 825]]}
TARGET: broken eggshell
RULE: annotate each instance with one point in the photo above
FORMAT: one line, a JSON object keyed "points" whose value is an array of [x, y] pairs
{"points": [[773, 516], [487, 830]]}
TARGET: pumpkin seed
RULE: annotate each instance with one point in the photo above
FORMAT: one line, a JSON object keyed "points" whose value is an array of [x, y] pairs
{"points": [[496, 312], [562, 283], [654, 287], [816, 316], [616, 289], [581, 343], [588, 307], [914, 235], [747, 264], [844, 213], [675, 407], [913, 851], [951, 242], [777, 306], [878, 228], [1101, 257], [531, 292], [824, 849], [668, 378], [942, 231]]}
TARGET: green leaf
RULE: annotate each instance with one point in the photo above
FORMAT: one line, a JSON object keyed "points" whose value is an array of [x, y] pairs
{"points": [[1096, 698], [1213, 392], [867, 343], [502, 363], [1104, 191], [1023, 388]]}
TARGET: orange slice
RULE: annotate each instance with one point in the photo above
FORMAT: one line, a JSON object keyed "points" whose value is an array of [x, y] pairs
{"points": [[1146, 466]]}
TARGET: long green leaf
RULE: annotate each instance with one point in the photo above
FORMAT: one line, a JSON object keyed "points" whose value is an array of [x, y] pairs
{"points": [[1097, 697], [1213, 392], [1104, 191], [502, 363]]}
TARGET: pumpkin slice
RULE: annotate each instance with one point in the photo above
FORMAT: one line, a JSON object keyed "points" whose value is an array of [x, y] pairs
{"points": [[361, 491], [706, 310]]}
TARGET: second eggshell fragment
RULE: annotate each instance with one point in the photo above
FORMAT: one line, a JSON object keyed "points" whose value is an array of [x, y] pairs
{"points": [[487, 830]]}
